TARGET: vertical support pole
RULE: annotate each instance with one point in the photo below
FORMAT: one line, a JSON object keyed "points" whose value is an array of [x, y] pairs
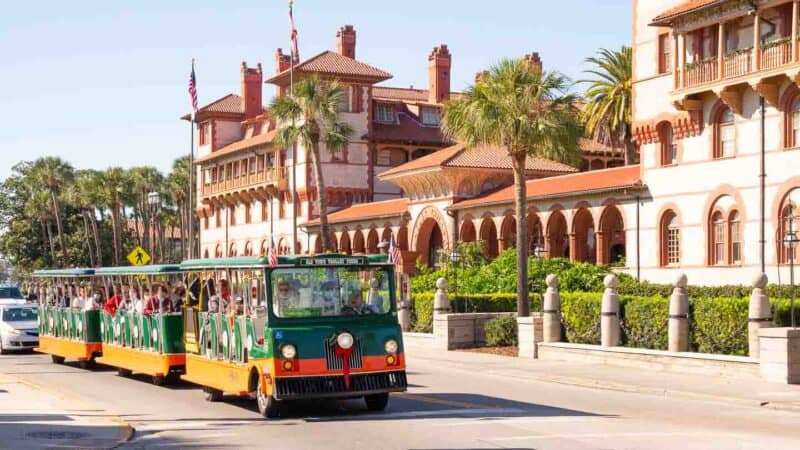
{"points": [[609, 313], [551, 310], [679, 317], [756, 63], [721, 51], [758, 314], [674, 62], [682, 59], [795, 18]]}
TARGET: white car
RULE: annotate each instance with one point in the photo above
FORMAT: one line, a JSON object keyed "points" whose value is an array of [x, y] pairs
{"points": [[10, 294], [19, 327]]}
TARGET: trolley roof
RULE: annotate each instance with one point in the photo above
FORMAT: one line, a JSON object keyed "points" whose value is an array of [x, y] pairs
{"points": [[155, 269], [64, 273], [263, 262]]}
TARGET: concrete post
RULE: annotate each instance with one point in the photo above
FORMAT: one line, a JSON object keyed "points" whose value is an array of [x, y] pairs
{"points": [[679, 316], [404, 305], [551, 310], [441, 304], [609, 313], [758, 315]]}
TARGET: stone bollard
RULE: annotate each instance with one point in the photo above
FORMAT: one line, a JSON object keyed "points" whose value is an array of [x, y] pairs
{"points": [[609, 313], [679, 316], [441, 304], [404, 303], [759, 314], [551, 310]]}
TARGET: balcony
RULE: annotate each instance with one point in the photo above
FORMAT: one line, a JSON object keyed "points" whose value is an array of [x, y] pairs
{"points": [[253, 186]]}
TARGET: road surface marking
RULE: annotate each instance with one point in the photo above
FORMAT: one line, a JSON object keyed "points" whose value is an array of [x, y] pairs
{"points": [[419, 414], [600, 435], [523, 420]]}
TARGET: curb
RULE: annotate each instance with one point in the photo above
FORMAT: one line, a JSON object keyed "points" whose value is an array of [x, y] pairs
{"points": [[126, 430]]}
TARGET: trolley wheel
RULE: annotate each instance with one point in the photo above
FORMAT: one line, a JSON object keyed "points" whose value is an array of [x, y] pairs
{"points": [[123, 372], [267, 405], [377, 402], [86, 364], [212, 395], [2, 350], [57, 359], [159, 380]]}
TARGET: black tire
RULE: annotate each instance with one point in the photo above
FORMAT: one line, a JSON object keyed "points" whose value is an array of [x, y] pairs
{"points": [[377, 402], [123, 372], [159, 380], [267, 405], [212, 395], [2, 350], [57, 359]]}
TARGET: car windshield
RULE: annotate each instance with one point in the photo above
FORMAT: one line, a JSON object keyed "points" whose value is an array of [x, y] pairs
{"points": [[10, 292], [330, 291], [20, 314]]}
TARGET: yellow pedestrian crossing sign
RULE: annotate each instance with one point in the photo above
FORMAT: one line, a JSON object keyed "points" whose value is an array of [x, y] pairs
{"points": [[138, 257]]}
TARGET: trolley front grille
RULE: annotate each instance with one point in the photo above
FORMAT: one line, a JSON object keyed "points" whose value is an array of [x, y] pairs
{"points": [[333, 386], [334, 362]]}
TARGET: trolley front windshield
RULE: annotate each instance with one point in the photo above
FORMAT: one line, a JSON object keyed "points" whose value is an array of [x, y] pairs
{"points": [[330, 291]]}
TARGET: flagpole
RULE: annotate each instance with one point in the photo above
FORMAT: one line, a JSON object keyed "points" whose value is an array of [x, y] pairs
{"points": [[294, 148], [192, 202]]}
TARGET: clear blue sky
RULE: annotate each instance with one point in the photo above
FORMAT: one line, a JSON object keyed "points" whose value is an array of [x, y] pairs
{"points": [[103, 83]]}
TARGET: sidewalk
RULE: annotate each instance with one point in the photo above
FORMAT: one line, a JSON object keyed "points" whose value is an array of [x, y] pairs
{"points": [[31, 416], [751, 392]]}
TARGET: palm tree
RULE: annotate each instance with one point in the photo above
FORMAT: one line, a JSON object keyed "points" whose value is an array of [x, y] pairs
{"points": [[54, 174], [307, 116], [177, 184], [528, 112], [88, 186], [144, 179], [112, 186], [74, 196], [609, 98]]}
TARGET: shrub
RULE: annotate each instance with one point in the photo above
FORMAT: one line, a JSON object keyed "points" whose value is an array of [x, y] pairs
{"points": [[644, 322], [422, 312], [501, 332], [581, 317], [719, 325]]}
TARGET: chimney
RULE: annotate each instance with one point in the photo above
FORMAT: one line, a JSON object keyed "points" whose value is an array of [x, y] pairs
{"points": [[534, 62], [282, 62], [439, 74], [252, 80], [346, 41]]}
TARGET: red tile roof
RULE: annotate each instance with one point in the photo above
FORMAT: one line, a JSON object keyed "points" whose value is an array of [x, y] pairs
{"points": [[366, 211], [475, 158], [229, 104], [564, 185], [406, 131], [683, 8], [406, 94], [261, 139], [332, 63]]}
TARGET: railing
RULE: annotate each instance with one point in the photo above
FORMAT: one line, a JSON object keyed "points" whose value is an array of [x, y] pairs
{"points": [[738, 63], [269, 176], [776, 54], [701, 73]]}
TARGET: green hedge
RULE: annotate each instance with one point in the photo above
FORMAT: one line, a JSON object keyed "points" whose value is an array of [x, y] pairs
{"points": [[422, 306], [502, 332], [581, 317]]}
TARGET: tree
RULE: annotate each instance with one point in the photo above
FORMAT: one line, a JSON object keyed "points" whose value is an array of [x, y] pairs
{"points": [[177, 184], [307, 116], [112, 185], [144, 179], [54, 174], [608, 98], [518, 107]]}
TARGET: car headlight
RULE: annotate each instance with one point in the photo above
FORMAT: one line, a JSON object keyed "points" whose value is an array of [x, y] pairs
{"points": [[13, 331], [288, 351], [391, 346], [344, 340]]}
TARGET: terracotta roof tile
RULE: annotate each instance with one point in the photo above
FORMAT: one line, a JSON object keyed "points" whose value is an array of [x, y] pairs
{"points": [[406, 131], [564, 185], [406, 94], [366, 211], [332, 63], [684, 8], [262, 139], [477, 158]]}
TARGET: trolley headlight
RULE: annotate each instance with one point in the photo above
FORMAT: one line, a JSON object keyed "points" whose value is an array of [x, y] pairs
{"points": [[288, 351], [344, 340], [391, 346]]}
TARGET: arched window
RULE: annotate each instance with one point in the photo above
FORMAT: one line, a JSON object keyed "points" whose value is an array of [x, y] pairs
{"points": [[669, 148], [670, 239], [735, 233], [725, 133], [795, 122], [789, 222], [717, 239]]}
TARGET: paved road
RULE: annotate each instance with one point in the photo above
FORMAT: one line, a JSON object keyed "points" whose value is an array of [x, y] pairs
{"points": [[450, 407]]}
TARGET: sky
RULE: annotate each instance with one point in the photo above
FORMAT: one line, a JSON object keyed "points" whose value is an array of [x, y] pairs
{"points": [[103, 83]]}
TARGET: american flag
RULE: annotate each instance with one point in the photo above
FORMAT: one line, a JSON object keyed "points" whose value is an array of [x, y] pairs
{"points": [[394, 252], [293, 34], [273, 254], [193, 88]]}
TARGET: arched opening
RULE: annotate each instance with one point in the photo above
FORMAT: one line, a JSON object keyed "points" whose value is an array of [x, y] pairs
{"points": [[386, 237], [556, 242], [611, 237], [318, 244], [670, 234], [488, 235], [281, 246], [248, 249], [508, 232], [232, 250], [430, 242], [669, 148], [789, 222], [535, 234], [468, 233], [584, 240], [372, 242], [358, 243], [205, 254], [344, 243], [218, 251], [724, 132], [263, 251]]}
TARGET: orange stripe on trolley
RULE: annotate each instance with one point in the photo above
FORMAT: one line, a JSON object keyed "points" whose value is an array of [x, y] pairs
{"points": [[318, 366]]}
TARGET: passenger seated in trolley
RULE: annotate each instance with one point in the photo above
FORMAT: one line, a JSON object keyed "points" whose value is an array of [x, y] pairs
{"points": [[93, 301], [178, 294], [78, 301], [113, 302], [285, 296], [356, 305]]}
